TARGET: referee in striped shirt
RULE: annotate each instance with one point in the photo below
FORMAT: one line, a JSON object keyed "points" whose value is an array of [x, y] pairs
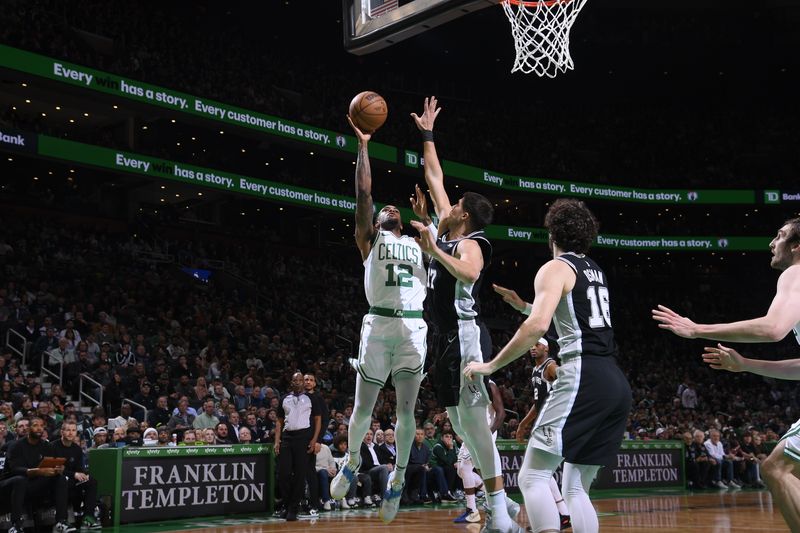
{"points": [[298, 426]]}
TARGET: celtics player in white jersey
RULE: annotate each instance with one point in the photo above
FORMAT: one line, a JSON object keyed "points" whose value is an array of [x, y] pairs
{"points": [[393, 333], [781, 469]]}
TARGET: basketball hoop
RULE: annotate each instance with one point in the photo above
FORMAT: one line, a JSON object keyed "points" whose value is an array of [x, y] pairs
{"points": [[541, 34]]}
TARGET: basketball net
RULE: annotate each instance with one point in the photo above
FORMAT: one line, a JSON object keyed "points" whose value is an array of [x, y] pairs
{"points": [[541, 34]]}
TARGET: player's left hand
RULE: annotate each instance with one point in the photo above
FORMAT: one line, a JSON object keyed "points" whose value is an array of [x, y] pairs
{"points": [[677, 324], [425, 239], [477, 369], [723, 358], [419, 204], [360, 135]]}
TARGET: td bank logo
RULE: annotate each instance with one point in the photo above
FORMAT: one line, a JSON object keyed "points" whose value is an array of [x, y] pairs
{"points": [[18, 141], [14, 140], [772, 197], [413, 159]]}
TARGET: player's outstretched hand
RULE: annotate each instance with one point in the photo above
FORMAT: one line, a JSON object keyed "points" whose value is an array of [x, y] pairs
{"points": [[419, 204], [510, 297], [475, 369], [723, 358], [429, 114], [672, 321], [360, 135], [425, 239]]}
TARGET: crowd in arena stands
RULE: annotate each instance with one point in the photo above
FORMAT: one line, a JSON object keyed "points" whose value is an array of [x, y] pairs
{"points": [[181, 362], [634, 140]]}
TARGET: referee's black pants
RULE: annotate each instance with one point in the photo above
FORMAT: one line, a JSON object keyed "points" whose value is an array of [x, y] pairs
{"points": [[293, 464]]}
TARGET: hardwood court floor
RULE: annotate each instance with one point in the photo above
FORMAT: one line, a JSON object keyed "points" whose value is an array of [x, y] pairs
{"points": [[717, 512]]}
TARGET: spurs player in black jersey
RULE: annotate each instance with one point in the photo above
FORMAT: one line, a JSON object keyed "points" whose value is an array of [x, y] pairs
{"points": [[584, 417], [781, 469], [460, 254]]}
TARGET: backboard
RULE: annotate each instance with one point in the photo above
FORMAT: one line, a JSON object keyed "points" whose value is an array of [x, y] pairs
{"points": [[370, 25]]}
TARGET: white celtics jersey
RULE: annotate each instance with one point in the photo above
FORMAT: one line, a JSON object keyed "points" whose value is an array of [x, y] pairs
{"points": [[394, 274]]}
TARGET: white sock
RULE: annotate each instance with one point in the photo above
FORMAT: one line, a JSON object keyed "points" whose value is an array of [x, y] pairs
{"points": [[399, 477], [562, 507], [500, 518], [471, 503]]}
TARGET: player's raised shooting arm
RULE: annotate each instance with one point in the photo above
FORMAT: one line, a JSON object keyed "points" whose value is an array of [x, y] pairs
{"points": [[434, 176], [365, 231]]}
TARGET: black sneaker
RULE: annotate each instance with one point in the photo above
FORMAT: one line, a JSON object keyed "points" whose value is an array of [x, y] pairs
{"points": [[565, 523], [291, 516]]}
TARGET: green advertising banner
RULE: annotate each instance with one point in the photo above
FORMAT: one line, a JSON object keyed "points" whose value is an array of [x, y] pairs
{"points": [[117, 160], [595, 191], [62, 71], [190, 174], [640, 243], [88, 78]]}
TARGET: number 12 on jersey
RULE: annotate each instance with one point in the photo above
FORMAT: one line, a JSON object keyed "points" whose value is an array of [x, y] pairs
{"points": [[399, 275], [601, 311]]}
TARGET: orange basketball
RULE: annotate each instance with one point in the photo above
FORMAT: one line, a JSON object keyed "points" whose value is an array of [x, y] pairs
{"points": [[368, 111]]}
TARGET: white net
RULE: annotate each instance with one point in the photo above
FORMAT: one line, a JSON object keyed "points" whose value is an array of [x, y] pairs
{"points": [[541, 35]]}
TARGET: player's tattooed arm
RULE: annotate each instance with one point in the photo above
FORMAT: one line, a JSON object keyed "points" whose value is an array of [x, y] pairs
{"points": [[365, 231]]}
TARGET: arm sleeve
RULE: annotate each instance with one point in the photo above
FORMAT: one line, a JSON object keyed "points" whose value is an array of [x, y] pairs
{"points": [[434, 230]]}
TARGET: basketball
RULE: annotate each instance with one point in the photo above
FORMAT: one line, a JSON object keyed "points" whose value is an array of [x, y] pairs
{"points": [[368, 111]]}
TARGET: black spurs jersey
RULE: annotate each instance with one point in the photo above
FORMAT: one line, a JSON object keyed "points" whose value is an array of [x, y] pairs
{"points": [[583, 317], [448, 298], [541, 387]]}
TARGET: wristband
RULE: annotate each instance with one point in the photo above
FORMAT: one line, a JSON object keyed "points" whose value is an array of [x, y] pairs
{"points": [[434, 230], [528, 309], [427, 136]]}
